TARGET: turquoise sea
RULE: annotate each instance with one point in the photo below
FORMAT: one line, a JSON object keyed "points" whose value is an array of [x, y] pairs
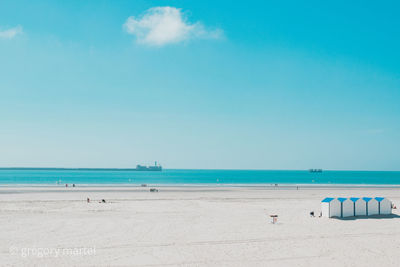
{"points": [[193, 177]]}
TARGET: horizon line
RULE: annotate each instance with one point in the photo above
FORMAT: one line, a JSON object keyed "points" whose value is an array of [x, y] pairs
{"points": [[205, 169]]}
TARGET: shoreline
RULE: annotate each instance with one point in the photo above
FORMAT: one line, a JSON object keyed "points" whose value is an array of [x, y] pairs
{"points": [[267, 185], [190, 178]]}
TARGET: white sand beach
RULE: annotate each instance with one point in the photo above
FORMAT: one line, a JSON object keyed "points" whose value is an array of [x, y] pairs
{"points": [[190, 226]]}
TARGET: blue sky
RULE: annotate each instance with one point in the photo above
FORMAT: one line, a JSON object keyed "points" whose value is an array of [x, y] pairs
{"points": [[200, 84]]}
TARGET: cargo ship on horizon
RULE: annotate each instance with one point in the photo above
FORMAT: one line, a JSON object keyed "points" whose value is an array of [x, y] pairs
{"points": [[149, 168]]}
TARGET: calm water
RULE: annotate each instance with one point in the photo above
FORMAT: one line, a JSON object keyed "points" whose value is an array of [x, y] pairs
{"points": [[54, 177]]}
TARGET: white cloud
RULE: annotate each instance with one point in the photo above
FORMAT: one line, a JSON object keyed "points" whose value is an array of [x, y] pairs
{"points": [[10, 33], [159, 26]]}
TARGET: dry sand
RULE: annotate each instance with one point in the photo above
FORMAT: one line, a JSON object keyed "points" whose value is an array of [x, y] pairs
{"points": [[190, 226]]}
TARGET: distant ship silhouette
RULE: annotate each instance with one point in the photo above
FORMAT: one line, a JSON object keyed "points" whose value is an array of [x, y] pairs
{"points": [[149, 168]]}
